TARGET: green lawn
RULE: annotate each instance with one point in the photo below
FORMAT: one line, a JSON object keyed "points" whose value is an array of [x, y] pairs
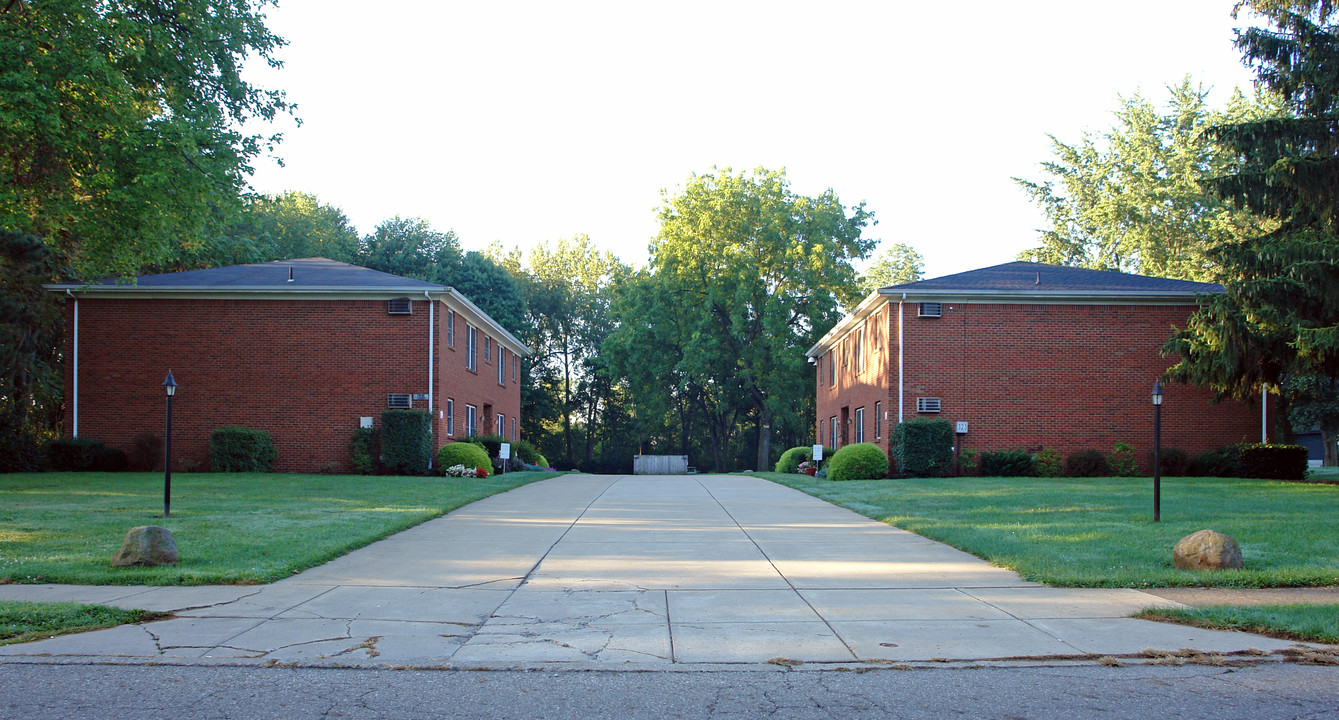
{"points": [[28, 621], [1100, 532], [229, 527], [1311, 623]]}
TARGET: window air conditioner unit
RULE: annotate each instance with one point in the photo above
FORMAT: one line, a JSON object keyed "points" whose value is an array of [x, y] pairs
{"points": [[927, 405], [398, 400], [928, 309], [399, 306]]}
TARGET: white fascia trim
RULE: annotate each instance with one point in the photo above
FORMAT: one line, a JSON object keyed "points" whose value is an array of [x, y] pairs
{"points": [[861, 311], [247, 293], [479, 318]]}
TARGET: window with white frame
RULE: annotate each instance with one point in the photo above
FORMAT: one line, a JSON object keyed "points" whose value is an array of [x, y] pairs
{"points": [[488, 349], [860, 350], [513, 429], [450, 416], [832, 428], [471, 417], [471, 348], [501, 366], [860, 424], [515, 367], [450, 328], [878, 420], [501, 427], [832, 366]]}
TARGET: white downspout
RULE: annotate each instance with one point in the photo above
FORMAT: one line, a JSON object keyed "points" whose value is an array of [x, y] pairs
{"points": [[432, 325], [900, 315], [75, 403]]}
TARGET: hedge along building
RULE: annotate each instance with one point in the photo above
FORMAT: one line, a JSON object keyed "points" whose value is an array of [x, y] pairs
{"points": [[308, 350], [1021, 356]]}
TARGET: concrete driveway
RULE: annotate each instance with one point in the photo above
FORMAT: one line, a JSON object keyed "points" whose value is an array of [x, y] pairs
{"points": [[651, 571]]}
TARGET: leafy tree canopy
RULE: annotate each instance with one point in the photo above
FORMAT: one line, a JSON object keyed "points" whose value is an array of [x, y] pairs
{"points": [[119, 136], [1131, 200], [896, 265]]}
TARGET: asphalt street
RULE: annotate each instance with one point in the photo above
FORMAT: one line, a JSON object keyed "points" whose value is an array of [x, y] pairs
{"points": [[126, 692]]}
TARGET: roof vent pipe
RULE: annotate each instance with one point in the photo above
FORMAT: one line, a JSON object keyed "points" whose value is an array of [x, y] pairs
{"points": [[1038, 278], [290, 273]]}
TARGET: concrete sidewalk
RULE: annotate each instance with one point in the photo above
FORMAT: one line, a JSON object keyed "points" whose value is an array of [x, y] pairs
{"points": [[655, 572]]}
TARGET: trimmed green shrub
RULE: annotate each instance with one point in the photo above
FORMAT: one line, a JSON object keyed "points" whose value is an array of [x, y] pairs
{"points": [[239, 449], [1087, 463], [923, 448], [1007, 463], [146, 455], [968, 461], [1048, 463], [492, 444], [73, 454], [406, 441], [1273, 462], [1122, 461], [23, 443], [526, 450], [364, 451], [1174, 461], [791, 459], [462, 453], [861, 461], [543, 462], [110, 460], [1219, 462]]}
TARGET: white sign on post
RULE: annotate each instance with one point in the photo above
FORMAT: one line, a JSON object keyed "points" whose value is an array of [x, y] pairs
{"points": [[505, 451], [818, 453]]}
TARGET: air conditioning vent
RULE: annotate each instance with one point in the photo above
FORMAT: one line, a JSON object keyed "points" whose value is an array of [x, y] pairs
{"points": [[398, 400], [927, 405], [399, 306], [932, 310]]}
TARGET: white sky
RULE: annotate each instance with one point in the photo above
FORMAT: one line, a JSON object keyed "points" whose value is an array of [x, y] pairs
{"points": [[524, 122]]}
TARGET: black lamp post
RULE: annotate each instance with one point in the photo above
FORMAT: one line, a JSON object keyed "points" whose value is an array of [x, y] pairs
{"points": [[171, 386], [1157, 451]]}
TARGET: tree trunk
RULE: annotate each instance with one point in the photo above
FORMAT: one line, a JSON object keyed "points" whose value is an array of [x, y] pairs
{"points": [[764, 438]]}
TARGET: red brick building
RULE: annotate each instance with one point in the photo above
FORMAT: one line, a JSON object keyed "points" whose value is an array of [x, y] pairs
{"points": [[1028, 356], [307, 350]]}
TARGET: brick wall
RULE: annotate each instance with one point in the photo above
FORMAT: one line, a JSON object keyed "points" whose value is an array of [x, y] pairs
{"points": [[304, 370], [479, 387], [1071, 377]]}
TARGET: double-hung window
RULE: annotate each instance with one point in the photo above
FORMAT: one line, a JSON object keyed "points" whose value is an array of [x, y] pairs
{"points": [[471, 416], [860, 425], [488, 349], [501, 367], [878, 420], [471, 348], [450, 328], [450, 416], [832, 428], [501, 429]]}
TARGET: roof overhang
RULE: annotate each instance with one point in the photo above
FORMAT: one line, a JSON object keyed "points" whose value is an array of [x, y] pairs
{"points": [[877, 298], [234, 292], [461, 304]]}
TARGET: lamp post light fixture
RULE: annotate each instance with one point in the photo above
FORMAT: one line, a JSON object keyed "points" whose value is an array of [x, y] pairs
{"points": [[170, 385], [1157, 451]]}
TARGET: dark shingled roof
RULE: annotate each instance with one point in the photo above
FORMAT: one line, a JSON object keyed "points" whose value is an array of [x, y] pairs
{"points": [[1025, 277], [308, 273]]}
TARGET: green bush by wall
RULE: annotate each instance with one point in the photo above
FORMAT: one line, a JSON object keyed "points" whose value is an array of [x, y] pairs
{"points": [[1007, 463], [364, 451], [492, 444], [861, 461], [923, 448], [406, 441], [790, 460], [463, 453], [239, 449], [73, 454], [1273, 462], [1087, 463]]}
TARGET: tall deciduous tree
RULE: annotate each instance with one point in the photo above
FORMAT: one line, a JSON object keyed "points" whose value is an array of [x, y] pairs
{"points": [[410, 247], [119, 137], [569, 307], [896, 265], [1131, 200], [759, 272], [1278, 322]]}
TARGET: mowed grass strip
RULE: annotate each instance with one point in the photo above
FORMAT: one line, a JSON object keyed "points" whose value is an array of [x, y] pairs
{"points": [[1099, 532], [28, 621], [230, 528], [1310, 623]]}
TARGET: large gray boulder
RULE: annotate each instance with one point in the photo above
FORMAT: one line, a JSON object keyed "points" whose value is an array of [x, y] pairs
{"points": [[1207, 550], [147, 545]]}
